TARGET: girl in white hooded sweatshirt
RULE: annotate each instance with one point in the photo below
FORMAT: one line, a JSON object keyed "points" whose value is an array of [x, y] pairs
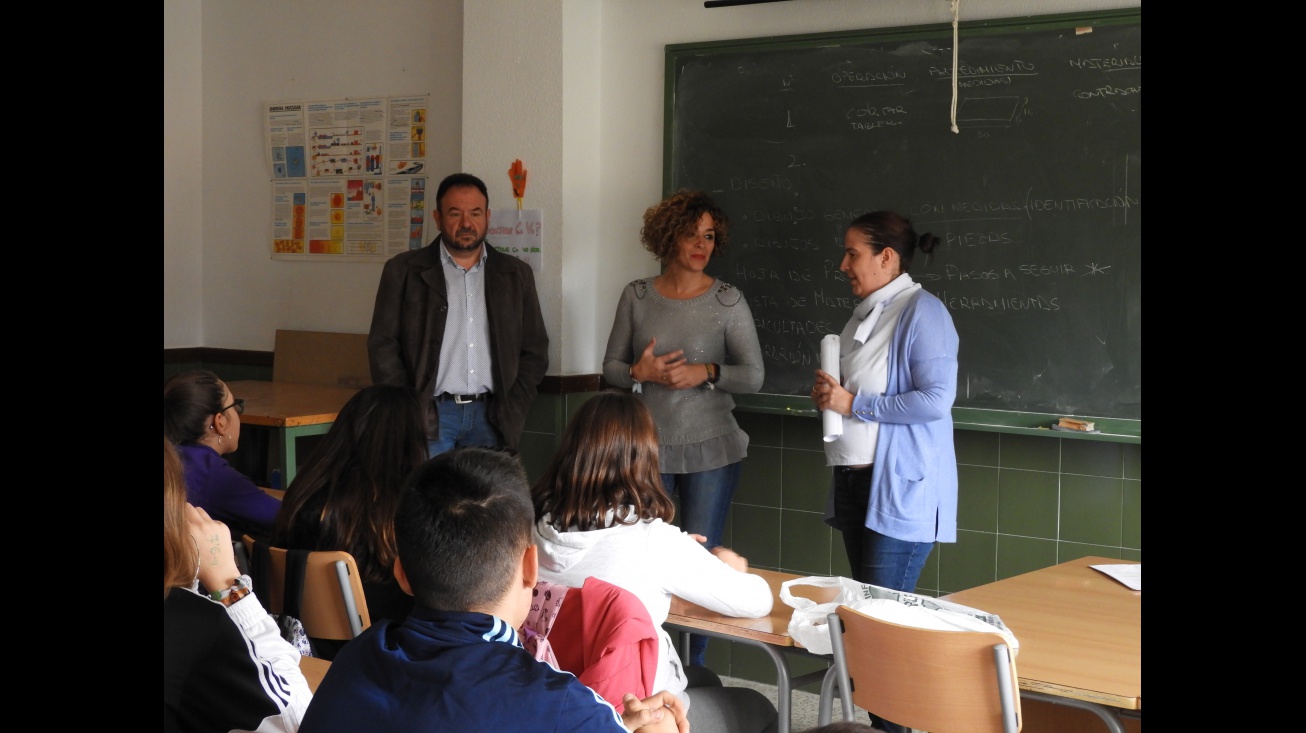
{"points": [[601, 512]]}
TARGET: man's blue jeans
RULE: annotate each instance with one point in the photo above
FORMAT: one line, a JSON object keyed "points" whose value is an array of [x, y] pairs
{"points": [[463, 425], [705, 498]]}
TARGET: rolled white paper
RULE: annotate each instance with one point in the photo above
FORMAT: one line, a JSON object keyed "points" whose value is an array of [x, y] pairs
{"points": [[831, 421]]}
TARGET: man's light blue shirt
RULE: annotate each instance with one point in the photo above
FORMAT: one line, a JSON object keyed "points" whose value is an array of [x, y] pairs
{"points": [[465, 351]]}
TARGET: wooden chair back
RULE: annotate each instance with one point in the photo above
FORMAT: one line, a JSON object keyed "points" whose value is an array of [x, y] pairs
{"points": [[321, 357], [940, 681], [333, 606]]}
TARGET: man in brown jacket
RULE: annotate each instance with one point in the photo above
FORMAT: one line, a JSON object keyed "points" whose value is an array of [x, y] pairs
{"points": [[460, 322]]}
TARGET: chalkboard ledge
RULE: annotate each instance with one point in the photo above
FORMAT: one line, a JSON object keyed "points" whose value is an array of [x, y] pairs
{"points": [[1111, 430]]}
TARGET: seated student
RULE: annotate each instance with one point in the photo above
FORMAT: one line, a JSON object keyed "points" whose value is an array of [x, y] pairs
{"points": [[202, 418], [225, 665], [346, 494], [602, 511], [456, 663]]}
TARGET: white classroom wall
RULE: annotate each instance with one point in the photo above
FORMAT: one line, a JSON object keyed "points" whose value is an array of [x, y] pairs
{"points": [[574, 88], [259, 51], [183, 265]]}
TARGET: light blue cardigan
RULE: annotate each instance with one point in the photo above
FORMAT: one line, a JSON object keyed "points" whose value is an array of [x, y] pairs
{"points": [[914, 479]]}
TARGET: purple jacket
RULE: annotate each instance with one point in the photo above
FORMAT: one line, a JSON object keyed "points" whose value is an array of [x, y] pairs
{"points": [[228, 495]]}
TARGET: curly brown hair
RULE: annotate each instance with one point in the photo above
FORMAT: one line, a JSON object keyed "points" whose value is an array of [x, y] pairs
{"points": [[677, 216]]}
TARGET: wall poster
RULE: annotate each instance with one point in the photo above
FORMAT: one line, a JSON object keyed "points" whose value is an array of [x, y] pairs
{"points": [[348, 179]]}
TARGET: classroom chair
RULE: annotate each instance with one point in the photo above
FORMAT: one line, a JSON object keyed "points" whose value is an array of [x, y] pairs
{"points": [[333, 607], [940, 681], [242, 557], [238, 546]]}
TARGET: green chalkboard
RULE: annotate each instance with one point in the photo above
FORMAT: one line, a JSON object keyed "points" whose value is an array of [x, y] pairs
{"points": [[1036, 197]]}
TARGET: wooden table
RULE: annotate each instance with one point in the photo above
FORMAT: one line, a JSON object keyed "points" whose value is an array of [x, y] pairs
{"points": [[314, 670], [292, 410], [769, 633], [1080, 634]]}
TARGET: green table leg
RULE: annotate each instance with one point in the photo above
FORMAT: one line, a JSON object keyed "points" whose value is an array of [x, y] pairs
{"points": [[288, 460]]}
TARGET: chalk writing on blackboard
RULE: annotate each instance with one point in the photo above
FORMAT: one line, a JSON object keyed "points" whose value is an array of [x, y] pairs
{"points": [[1037, 200]]}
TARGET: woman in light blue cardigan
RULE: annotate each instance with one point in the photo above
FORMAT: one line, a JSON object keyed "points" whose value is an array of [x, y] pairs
{"points": [[894, 491], [895, 468]]}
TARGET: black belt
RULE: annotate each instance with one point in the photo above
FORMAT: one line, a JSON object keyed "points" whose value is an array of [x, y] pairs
{"points": [[461, 399], [850, 469]]}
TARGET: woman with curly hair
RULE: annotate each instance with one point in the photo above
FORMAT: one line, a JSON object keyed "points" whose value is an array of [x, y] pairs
{"points": [[601, 512], [685, 341]]}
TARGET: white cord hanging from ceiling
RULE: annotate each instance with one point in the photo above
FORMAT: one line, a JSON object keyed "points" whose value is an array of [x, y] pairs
{"points": [[956, 43]]}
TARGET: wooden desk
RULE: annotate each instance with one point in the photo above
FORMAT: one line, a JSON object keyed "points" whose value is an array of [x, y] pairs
{"points": [[1080, 633], [314, 670], [292, 411], [769, 633]]}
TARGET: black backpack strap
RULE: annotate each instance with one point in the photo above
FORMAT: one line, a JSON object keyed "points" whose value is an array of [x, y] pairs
{"points": [[296, 570], [261, 570]]}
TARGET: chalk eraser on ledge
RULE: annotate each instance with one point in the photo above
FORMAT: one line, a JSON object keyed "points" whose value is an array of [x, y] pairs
{"points": [[1074, 430], [1070, 423]]}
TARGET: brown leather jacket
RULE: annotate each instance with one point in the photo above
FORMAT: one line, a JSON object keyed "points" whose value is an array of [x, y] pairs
{"points": [[403, 346]]}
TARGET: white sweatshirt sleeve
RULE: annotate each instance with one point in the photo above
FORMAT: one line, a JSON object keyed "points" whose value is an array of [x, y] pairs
{"points": [[696, 575]]}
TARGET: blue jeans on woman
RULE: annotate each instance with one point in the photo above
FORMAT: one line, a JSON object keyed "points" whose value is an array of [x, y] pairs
{"points": [[705, 498], [875, 558]]}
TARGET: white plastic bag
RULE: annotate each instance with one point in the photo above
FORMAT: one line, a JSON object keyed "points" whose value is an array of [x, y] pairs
{"points": [[808, 627]]}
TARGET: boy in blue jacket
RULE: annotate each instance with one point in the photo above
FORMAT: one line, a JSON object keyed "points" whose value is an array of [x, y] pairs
{"points": [[463, 532]]}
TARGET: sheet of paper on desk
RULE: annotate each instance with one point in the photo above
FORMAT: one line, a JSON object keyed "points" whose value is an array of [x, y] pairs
{"points": [[1130, 575]]}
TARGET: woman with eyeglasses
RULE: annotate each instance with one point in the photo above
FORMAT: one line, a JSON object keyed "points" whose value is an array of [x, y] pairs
{"points": [[202, 418]]}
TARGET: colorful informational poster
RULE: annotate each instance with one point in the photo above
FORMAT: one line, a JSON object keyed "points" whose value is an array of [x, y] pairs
{"points": [[348, 177], [285, 123], [405, 214], [346, 138], [289, 217], [407, 135]]}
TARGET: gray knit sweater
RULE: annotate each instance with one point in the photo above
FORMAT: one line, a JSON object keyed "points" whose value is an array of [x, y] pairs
{"points": [[696, 430]]}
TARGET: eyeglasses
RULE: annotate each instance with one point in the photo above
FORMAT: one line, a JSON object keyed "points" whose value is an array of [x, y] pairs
{"points": [[238, 404]]}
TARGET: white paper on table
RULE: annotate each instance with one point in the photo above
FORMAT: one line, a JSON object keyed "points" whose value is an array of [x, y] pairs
{"points": [[831, 421], [1131, 575]]}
